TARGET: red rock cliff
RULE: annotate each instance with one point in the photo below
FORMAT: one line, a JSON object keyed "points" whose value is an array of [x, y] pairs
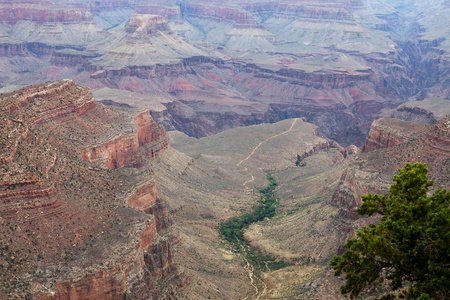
{"points": [[123, 150], [40, 11], [386, 133], [71, 214]]}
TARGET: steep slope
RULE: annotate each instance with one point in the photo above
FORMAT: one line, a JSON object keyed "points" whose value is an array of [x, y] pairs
{"points": [[67, 228], [145, 41], [338, 63], [389, 146], [213, 178]]}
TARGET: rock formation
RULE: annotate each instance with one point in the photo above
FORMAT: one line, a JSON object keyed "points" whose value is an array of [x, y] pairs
{"points": [[239, 64], [386, 133], [390, 145], [70, 227], [124, 150]]}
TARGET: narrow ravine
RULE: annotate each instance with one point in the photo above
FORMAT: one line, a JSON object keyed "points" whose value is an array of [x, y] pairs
{"points": [[232, 229]]}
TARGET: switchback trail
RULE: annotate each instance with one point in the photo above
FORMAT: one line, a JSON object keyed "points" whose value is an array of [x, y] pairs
{"points": [[259, 145], [269, 138], [248, 266]]}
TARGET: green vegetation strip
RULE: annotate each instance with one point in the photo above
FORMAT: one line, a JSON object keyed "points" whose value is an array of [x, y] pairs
{"points": [[232, 229]]}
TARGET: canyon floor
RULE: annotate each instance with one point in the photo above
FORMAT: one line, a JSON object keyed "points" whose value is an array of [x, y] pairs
{"points": [[205, 181], [208, 180]]}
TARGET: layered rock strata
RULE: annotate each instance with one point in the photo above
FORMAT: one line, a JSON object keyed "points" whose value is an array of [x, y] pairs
{"points": [[390, 145], [84, 241], [124, 150], [386, 133]]}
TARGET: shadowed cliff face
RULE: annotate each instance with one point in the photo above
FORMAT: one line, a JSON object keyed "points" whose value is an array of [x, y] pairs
{"points": [[71, 227]]}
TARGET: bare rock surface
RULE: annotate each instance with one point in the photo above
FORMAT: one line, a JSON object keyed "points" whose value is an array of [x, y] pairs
{"points": [[224, 64], [72, 227]]}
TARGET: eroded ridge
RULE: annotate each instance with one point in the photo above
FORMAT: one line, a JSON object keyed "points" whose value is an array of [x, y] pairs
{"points": [[67, 225]]}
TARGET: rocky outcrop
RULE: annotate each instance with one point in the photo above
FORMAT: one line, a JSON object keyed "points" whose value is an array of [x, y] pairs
{"points": [[145, 199], [392, 144], [120, 151], [216, 12], [150, 135], [170, 13], [148, 25], [84, 243], [386, 133], [114, 151], [146, 41], [314, 149], [124, 150]]}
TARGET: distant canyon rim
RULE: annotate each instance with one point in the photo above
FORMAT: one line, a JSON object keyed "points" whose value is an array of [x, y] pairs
{"points": [[202, 67], [130, 129]]}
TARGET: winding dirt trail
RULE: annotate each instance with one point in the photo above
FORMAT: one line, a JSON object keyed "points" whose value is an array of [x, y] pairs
{"points": [[248, 267], [259, 145], [269, 138]]}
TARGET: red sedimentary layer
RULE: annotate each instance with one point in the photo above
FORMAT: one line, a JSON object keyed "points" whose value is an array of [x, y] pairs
{"points": [[386, 133], [115, 153], [40, 11], [144, 197], [123, 150]]}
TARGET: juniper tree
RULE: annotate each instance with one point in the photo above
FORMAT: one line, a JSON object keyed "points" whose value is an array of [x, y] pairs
{"points": [[409, 250]]}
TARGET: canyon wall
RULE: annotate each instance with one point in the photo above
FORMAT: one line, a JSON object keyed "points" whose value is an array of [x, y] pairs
{"points": [[124, 150], [92, 233], [386, 133], [391, 144]]}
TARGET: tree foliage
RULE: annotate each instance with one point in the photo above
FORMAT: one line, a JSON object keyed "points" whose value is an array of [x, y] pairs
{"points": [[233, 228], [409, 249]]}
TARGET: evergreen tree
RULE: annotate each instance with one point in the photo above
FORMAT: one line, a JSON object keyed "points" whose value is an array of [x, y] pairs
{"points": [[409, 249]]}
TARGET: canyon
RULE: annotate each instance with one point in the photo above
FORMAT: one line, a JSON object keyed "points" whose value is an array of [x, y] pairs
{"points": [[205, 67], [72, 226], [159, 120]]}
